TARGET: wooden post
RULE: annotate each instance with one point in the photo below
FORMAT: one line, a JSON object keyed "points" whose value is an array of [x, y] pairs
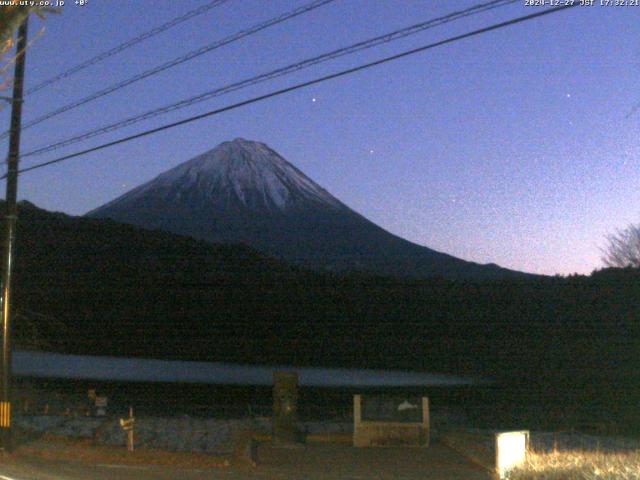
{"points": [[357, 422], [127, 426], [357, 410], [426, 428], [285, 408], [130, 432]]}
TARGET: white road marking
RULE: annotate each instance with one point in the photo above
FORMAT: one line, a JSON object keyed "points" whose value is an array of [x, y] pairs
{"points": [[115, 465]]}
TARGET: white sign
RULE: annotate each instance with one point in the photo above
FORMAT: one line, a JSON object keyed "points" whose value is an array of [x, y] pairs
{"points": [[511, 450]]}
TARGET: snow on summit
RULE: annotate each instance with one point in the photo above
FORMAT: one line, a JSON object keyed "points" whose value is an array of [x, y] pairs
{"points": [[242, 170]]}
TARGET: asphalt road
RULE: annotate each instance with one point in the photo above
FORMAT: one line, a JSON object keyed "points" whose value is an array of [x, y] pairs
{"points": [[40, 469], [326, 462]]}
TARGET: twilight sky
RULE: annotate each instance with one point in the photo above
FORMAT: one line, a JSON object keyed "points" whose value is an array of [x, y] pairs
{"points": [[514, 147]]}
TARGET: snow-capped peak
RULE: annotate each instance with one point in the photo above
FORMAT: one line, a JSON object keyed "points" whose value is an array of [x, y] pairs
{"points": [[250, 171]]}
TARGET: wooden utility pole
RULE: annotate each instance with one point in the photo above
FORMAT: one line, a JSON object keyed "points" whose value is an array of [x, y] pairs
{"points": [[11, 213]]}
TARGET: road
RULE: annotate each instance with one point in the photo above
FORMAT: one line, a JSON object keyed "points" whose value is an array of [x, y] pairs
{"points": [[326, 462]]}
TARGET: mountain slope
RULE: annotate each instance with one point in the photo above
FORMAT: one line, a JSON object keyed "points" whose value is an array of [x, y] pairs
{"points": [[244, 192]]}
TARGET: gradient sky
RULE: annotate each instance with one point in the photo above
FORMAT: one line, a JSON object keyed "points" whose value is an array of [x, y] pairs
{"points": [[514, 147]]}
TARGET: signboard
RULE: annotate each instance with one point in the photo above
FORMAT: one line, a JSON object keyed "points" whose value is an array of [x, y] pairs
{"points": [[400, 409], [101, 406], [385, 420], [511, 451]]}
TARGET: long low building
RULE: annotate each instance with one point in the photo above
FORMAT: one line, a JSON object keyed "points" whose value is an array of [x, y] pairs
{"points": [[54, 365]]}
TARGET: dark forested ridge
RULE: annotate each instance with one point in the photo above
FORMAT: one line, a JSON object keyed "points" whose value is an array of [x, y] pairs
{"points": [[98, 287]]}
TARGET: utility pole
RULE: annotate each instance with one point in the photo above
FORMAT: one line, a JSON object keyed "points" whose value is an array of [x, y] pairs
{"points": [[11, 214]]}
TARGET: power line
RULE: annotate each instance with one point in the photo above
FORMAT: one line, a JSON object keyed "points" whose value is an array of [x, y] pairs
{"points": [[123, 46], [177, 61], [354, 48], [299, 86]]}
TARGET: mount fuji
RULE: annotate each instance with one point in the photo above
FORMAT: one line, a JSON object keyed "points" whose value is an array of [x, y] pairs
{"points": [[244, 192]]}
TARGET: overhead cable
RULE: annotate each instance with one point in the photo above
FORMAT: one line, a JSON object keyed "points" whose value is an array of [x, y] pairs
{"points": [[219, 91], [177, 61], [299, 86], [123, 46]]}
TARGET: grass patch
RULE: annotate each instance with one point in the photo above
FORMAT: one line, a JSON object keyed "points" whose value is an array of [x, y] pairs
{"points": [[579, 465]]}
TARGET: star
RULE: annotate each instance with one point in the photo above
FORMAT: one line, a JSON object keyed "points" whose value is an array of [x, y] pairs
{"points": [[313, 99]]}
